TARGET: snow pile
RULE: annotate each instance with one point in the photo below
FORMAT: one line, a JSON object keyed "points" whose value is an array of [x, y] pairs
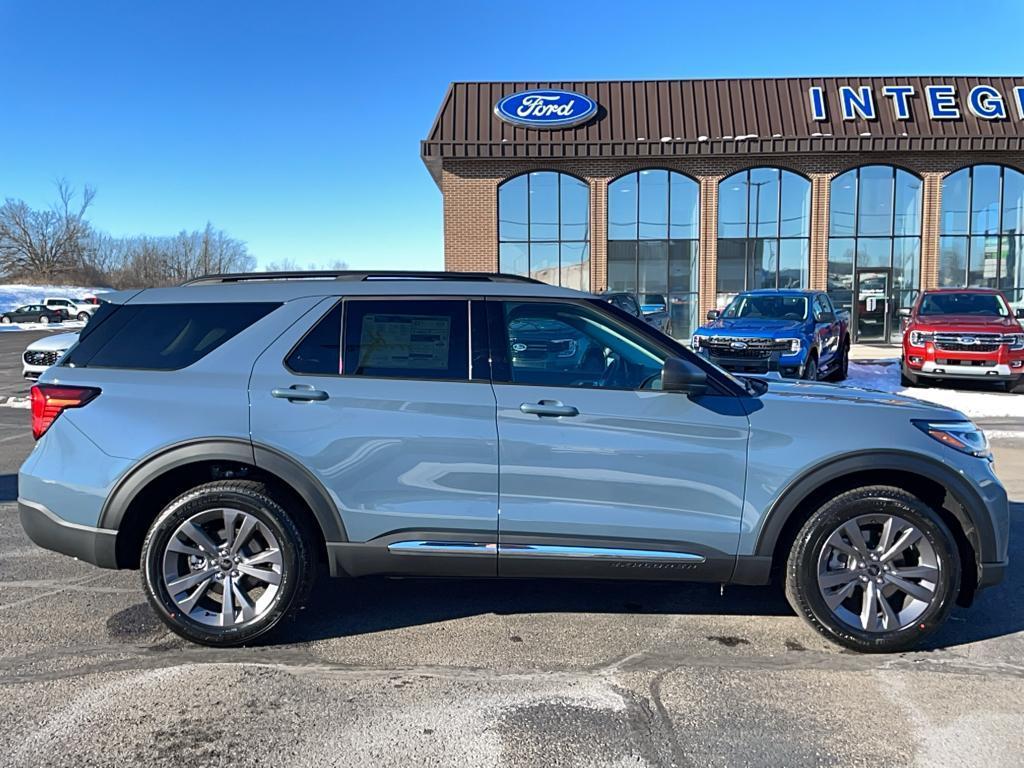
{"points": [[67, 325], [980, 401], [13, 296]]}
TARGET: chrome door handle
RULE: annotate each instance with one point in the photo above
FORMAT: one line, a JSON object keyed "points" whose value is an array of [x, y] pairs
{"points": [[549, 408], [300, 392]]}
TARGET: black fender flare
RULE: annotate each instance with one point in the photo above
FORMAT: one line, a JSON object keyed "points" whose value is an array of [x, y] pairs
{"points": [[970, 510], [242, 451]]}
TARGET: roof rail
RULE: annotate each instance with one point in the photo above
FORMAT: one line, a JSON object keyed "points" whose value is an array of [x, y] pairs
{"points": [[356, 275]]}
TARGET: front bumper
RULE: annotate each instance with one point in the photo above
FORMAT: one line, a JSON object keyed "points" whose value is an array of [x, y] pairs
{"points": [[932, 361], [786, 365], [93, 545]]}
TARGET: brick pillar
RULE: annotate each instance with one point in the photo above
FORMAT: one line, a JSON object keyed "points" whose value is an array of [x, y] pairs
{"points": [[708, 244], [598, 234], [470, 222], [931, 208], [821, 184]]}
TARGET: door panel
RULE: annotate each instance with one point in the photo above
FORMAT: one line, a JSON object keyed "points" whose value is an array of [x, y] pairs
{"points": [[624, 469], [873, 306], [402, 459]]}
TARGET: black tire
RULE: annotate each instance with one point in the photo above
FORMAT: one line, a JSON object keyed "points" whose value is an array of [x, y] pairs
{"points": [[806, 598], [811, 368], [5, 320], [298, 569], [43, 319], [843, 370], [907, 378], [83, 317], [1015, 387]]}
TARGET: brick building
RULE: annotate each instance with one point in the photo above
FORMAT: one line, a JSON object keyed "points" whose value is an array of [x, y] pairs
{"points": [[689, 191]]}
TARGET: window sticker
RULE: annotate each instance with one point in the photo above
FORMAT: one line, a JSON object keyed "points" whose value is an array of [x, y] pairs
{"points": [[405, 341]]}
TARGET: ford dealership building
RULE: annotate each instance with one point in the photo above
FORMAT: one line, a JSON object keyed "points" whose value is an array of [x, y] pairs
{"points": [[688, 191]]}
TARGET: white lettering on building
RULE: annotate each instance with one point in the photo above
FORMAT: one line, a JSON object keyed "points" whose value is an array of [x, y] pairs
{"points": [[539, 105]]}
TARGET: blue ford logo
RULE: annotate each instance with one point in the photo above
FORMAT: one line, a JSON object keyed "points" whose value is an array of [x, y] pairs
{"points": [[519, 347], [546, 108], [738, 345], [968, 340]]}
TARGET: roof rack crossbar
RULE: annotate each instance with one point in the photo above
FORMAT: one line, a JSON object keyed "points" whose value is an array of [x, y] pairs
{"points": [[356, 275]]}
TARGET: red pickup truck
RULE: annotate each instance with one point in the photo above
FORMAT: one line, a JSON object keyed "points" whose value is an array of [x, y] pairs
{"points": [[963, 333]]}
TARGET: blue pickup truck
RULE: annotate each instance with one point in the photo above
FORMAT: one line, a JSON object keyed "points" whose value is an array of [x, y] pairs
{"points": [[798, 333]]}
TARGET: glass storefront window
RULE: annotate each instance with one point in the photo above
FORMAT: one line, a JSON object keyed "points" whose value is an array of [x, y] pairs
{"points": [[653, 236], [981, 223], [764, 217], [544, 228], [875, 229]]}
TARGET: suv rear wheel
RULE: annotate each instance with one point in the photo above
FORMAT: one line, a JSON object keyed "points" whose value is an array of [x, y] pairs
{"points": [[875, 570], [224, 563]]}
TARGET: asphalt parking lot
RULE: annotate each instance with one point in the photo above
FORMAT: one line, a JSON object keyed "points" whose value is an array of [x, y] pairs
{"points": [[513, 673]]}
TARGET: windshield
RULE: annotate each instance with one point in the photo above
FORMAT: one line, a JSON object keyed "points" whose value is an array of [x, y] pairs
{"points": [[981, 304], [770, 307]]}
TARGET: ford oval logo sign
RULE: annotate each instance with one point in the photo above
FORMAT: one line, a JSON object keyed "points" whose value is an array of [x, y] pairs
{"points": [[546, 108], [968, 340], [738, 345]]}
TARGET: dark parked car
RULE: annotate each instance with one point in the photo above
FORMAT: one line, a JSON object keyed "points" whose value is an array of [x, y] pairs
{"points": [[32, 313], [654, 314]]}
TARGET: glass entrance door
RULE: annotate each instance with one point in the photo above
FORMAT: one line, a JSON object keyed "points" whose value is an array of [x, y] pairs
{"points": [[872, 305]]}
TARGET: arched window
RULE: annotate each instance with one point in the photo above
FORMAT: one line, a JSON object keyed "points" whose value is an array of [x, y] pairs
{"points": [[982, 229], [653, 236], [874, 247], [544, 228], [764, 228]]}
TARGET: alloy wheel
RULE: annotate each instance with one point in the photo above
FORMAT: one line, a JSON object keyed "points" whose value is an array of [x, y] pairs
{"points": [[223, 567], [878, 573]]}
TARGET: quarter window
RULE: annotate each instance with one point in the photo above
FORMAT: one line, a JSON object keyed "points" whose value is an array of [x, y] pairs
{"points": [[764, 226], [544, 228]]}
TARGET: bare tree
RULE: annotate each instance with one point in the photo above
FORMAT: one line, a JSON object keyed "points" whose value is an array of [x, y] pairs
{"points": [[290, 265], [47, 243]]}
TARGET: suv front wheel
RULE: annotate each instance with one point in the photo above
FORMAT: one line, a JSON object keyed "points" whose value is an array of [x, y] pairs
{"points": [[224, 563], [875, 569]]}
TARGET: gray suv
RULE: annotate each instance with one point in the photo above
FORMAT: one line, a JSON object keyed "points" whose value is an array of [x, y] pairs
{"points": [[233, 436]]}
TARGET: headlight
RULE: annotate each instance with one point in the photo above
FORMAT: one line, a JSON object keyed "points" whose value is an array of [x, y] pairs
{"points": [[695, 344], [794, 346], [1015, 340], [961, 436], [918, 338]]}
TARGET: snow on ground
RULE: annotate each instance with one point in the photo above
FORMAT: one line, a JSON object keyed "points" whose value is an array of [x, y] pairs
{"points": [[67, 325], [978, 402], [13, 295]]}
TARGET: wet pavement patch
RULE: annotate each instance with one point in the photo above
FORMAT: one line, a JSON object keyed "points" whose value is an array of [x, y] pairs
{"points": [[729, 641], [134, 622]]}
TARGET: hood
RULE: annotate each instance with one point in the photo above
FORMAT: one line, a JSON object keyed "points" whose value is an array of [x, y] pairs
{"points": [[54, 343], [821, 391], [752, 325], [967, 324]]}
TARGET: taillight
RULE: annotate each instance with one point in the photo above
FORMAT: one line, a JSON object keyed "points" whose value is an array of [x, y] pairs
{"points": [[49, 400]]}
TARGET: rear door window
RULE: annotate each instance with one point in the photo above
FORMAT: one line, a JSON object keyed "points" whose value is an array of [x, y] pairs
{"points": [[406, 339], [160, 337]]}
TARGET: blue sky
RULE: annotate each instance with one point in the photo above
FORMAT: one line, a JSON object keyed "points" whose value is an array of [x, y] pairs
{"points": [[296, 126]]}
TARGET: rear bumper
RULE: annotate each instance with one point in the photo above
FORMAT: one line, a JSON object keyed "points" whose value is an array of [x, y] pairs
{"points": [[83, 542]]}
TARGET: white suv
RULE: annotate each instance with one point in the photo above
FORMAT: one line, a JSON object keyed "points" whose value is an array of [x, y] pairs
{"points": [[79, 310]]}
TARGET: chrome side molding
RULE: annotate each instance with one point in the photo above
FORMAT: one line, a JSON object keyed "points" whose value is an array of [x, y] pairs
{"points": [[442, 548], [418, 547], [599, 553]]}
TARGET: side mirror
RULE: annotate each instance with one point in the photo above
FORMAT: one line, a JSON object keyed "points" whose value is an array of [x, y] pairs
{"points": [[1020, 311], [678, 375], [713, 314], [827, 317], [905, 312]]}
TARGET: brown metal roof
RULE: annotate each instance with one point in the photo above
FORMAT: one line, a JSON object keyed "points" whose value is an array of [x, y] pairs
{"points": [[658, 118]]}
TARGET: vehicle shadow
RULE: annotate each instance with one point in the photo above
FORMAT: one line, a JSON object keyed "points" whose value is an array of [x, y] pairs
{"points": [[341, 608], [348, 607], [998, 610], [8, 488]]}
